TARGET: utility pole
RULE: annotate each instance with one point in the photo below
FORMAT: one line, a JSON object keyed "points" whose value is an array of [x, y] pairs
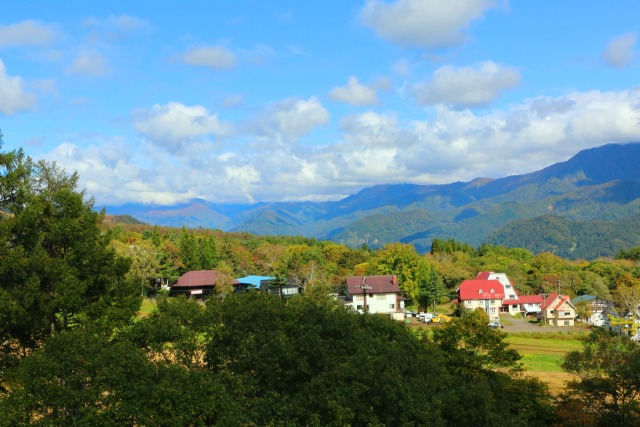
{"points": [[364, 288]]}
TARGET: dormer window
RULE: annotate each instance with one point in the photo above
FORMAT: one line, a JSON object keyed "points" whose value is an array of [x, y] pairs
{"points": [[492, 291], [479, 291]]}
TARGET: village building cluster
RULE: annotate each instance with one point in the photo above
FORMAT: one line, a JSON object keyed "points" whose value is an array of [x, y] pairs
{"points": [[489, 291]]}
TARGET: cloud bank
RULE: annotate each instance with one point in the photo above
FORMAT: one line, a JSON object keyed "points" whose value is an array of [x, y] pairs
{"points": [[374, 148]]}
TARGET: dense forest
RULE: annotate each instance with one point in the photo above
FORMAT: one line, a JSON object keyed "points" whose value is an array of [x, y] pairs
{"points": [[76, 352]]}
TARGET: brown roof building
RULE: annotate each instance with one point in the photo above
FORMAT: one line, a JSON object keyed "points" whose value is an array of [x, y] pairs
{"points": [[197, 283]]}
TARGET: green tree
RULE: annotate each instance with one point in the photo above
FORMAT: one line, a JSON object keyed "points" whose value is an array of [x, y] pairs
{"points": [[57, 270], [401, 260], [608, 383], [85, 377], [473, 345], [208, 253], [430, 287], [188, 251], [145, 265]]}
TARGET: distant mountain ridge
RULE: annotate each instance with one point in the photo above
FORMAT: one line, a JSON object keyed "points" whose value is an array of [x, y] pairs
{"points": [[598, 184]]}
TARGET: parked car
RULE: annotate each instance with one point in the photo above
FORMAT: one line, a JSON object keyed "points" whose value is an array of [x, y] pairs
{"points": [[409, 313], [496, 325], [427, 317]]}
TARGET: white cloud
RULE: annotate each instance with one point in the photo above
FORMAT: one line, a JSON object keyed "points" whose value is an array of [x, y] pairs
{"points": [[90, 63], [174, 126], [369, 129], [290, 119], [620, 51], [115, 27], [216, 57], [13, 98], [429, 24], [27, 33], [467, 86], [453, 145], [354, 93]]}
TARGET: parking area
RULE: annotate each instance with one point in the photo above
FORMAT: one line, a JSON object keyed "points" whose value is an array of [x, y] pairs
{"points": [[516, 324]]}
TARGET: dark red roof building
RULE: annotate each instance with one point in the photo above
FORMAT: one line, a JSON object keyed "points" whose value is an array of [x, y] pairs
{"points": [[197, 283]]}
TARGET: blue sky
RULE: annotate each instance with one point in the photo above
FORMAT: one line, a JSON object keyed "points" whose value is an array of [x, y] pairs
{"points": [[250, 101]]}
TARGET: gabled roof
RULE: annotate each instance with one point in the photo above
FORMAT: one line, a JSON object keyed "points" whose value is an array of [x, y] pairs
{"points": [[474, 289], [387, 284], [555, 301], [199, 278]]}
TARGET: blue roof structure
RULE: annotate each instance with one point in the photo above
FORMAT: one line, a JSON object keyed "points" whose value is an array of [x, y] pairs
{"points": [[583, 298], [254, 280]]}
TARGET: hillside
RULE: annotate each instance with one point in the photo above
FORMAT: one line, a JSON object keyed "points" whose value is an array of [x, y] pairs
{"points": [[596, 186]]}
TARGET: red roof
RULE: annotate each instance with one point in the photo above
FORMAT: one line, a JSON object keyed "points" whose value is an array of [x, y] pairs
{"points": [[378, 284], [551, 298], [530, 299], [524, 299], [199, 278], [480, 289]]}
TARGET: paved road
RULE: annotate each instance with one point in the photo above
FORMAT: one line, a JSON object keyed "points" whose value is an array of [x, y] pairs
{"points": [[515, 324]]}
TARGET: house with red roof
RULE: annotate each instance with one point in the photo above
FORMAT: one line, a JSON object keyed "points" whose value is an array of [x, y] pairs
{"points": [[557, 310], [510, 292], [375, 294], [198, 283], [482, 293]]}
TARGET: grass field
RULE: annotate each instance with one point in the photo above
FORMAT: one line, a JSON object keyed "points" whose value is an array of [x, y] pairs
{"points": [[542, 355]]}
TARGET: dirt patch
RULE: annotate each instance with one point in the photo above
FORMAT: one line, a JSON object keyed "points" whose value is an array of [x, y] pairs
{"points": [[555, 380]]}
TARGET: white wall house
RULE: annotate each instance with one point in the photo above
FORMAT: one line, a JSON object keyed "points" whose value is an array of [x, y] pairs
{"points": [[484, 294], [381, 293]]}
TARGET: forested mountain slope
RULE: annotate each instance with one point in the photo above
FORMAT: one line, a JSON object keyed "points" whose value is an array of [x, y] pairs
{"points": [[599, 184]]}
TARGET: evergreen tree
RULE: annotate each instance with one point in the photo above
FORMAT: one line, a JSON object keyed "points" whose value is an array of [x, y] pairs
{"points": [[57, 269]]}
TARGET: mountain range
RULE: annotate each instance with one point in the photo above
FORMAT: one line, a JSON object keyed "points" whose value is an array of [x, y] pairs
{"points": [[596, 192]]}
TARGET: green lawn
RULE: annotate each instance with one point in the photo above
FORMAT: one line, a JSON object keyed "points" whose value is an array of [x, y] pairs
{"points": [[542, 345], [542, 362], [543, 353]]}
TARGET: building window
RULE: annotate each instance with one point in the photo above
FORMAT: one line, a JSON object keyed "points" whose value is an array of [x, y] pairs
{"points": [[493, 302], [567, 323], [359, 307], [492, 310], [381, 296], [567, 313], [392, 306], [468, 302], [289, 291], [479, 291]]}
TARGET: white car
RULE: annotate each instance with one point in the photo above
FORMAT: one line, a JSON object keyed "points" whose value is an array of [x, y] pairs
{"points": [[426, 317]]}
